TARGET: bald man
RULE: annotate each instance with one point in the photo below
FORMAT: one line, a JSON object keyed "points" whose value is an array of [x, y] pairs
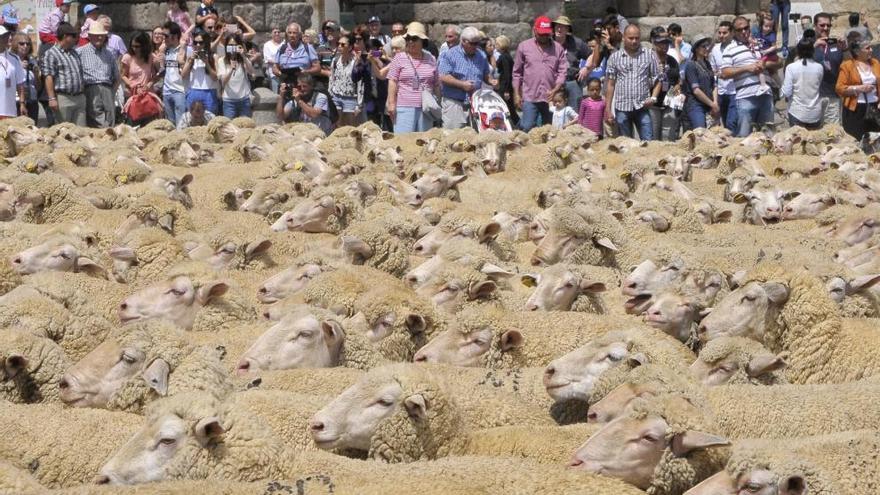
{"points": [[633, 85]]}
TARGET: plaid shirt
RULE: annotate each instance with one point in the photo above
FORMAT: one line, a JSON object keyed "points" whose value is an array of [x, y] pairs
{"points": [[634, 77], [99, 66], [65, 68], [463, 67]]}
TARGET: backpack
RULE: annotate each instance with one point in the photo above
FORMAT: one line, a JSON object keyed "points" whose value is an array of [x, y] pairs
{"points": [[332, 111]]}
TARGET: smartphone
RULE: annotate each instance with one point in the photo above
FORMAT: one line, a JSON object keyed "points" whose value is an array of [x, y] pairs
{"points": [[376, 53], [832, 41], [230, 50], [231, 28]]}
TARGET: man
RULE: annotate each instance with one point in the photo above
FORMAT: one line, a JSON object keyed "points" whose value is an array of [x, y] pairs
{"points": [[374, 25], [539, 69], [680, 48], [576, 50], [397, 29], [830, 55], [174, 89], [197, 116], [295, 57], [305, 104], [463, 69], [633, 85], [743, 65], [14, 79], [611, 37], [115, 43], [669, 76], [726, 87], [63, 72], [451, 36], [101, 78]]}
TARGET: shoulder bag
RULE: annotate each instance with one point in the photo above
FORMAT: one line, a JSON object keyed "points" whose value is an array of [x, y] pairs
{"points": [[430, 106]]}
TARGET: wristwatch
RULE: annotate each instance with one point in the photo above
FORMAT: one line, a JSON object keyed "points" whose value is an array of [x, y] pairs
{"points": [[653, 99]]}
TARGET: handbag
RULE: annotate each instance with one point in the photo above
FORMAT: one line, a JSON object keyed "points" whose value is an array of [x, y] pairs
{"points": [[430, 106], [872, 113], [143, 105]]}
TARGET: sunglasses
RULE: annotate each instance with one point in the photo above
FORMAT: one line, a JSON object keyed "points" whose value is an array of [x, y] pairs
{"points": [[823, 25], [24, 43], [343, 44], [209, 28], [197, 42], [412, 38], [741, 30]]}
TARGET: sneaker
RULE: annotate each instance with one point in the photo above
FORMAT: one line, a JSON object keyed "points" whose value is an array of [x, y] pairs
{"points": [[784, 52]]}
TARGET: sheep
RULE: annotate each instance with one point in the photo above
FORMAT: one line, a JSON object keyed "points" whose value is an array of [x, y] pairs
{"points": [[61, 447], [311, 339], [462, 225], [174, 149], [144, 255], [32, 367], [61, 253], [565, 287], [83, 295], [674, 450], [465, 252], [151, 210], [18, 481], [326, 210], [835, 463], [419, 417], [48, 198], [790, 310], [138, 363], [296, 276], [455, 286], [737, 360], [231, 248], [370, 243], [191, 297], [580, 236]]}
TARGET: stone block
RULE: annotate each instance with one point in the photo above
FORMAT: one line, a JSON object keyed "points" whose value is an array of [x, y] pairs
{"points": [[252, 13], [640, 8], [528, 11], [587, 9], [284, 13], [466, 12], [135, 16], [686, 8], [387, 12]]}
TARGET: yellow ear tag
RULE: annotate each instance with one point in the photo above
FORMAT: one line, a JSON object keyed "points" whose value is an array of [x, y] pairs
{"points": [[31, 167], [298, 166], [528, 281], [123, 179]]}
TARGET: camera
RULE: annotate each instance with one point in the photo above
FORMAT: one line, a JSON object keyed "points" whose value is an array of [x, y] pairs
{"points": [[375, 44], [832, 41], [289, 77]]}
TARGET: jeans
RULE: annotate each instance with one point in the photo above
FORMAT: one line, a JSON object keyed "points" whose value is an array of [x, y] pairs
{"points": [[573, 94], [779, 11], [756, 110], [411, 119], [275, 84], [33, 110], [696, 113], [530, 112], [175, 105], [658, 116], [640, 117], [793, 121], [237, 108], [206, 96], [727, 104]]}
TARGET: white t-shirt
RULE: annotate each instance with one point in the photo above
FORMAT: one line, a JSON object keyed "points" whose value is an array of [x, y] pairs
{"points": [[802, 84], [725, 86], [562, 116], [11, 76], [238, 87], [270, 54], [870, 79], [199, 78], [173, 81]]}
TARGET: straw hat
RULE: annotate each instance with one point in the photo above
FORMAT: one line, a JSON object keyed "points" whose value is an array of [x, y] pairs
{"points": [[563, 21], [97, 29], [416, 29]]}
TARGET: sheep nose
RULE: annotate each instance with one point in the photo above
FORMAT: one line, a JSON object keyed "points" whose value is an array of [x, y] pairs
{"points": [[17, 260], [63, 384], [420, 358], [263, 290], [124, 305], [412, 280], [549, 371], [418, 248], [536, 261], [244, 366], [531, 307], [592, 417], [102, 479], [316, 426]]}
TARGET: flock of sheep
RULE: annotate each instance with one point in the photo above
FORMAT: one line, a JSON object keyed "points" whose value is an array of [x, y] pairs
{"points": [[253, 310]]}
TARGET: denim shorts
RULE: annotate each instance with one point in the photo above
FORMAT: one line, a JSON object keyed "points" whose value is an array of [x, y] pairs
{"points": [[345, 104]]}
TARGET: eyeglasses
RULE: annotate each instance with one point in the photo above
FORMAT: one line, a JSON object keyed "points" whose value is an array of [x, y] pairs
{"points": [[412, 39], [209, 28], [24, 43], [343, 44]]}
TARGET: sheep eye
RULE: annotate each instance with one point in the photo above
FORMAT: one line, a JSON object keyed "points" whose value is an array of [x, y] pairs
{"points": [[305, 335], [63, 256], [670, 268], [176, 292], [128, 359], [649, 438], [385, 402], [749, 298], [568, 285], [167, 441], [613, 358]]}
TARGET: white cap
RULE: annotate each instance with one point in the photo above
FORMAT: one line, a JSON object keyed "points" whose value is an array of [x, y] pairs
{"points": [[3, 31]]}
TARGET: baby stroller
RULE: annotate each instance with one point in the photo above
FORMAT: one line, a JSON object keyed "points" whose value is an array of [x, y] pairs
{"points": [[489, 111]]}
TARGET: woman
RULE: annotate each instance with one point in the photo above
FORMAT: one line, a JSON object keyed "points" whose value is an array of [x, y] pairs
{"points": [[699, 85], [23, 47], [801, 88], [375, 89], [200, 69], [158, 40], [270, 54], [347, 94], [234, 70], [859, 84], [139, 66], [380, 65], [410, 73], [504, 65]]}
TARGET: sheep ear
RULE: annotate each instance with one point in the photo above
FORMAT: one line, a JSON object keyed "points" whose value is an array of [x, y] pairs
{"points": [[186, 180], [481, 290], [529, 280], [736, 279], [792, 485], [281, 197], [637, 359], [229, 200], [255, 249], [488, 232], [371, 155], [510, 340], [763, 364], [776, 292], [689, 441], [122, 254], [457, 179], [355, 246], [14, 364], [167, 223], [210, 291], [156, 376], [85, 265], [606, 243], [860, 283], [542, 199], [416, 324], [416, 407], [274, 216], [333, 333], [208, 430], [495, 272], [592, 287], [723, 216]]}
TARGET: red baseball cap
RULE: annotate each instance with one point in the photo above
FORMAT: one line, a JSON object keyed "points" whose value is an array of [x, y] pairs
{"points": [[543, 26]]}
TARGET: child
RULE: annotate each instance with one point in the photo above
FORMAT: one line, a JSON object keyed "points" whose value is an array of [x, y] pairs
{"points": [[177, 13], [91, 11], [496, 121], [592, 107], [49, 24], [206, 11], [563, 116], [765, 43]]}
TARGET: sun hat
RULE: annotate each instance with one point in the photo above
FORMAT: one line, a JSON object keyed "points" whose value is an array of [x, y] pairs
{"points": [[97, 29], [543, 25], [701, 38], [563, 21], [416, 29]]}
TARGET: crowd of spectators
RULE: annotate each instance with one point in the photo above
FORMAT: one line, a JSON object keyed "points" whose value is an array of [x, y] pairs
{"points": [[201, 64]]}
